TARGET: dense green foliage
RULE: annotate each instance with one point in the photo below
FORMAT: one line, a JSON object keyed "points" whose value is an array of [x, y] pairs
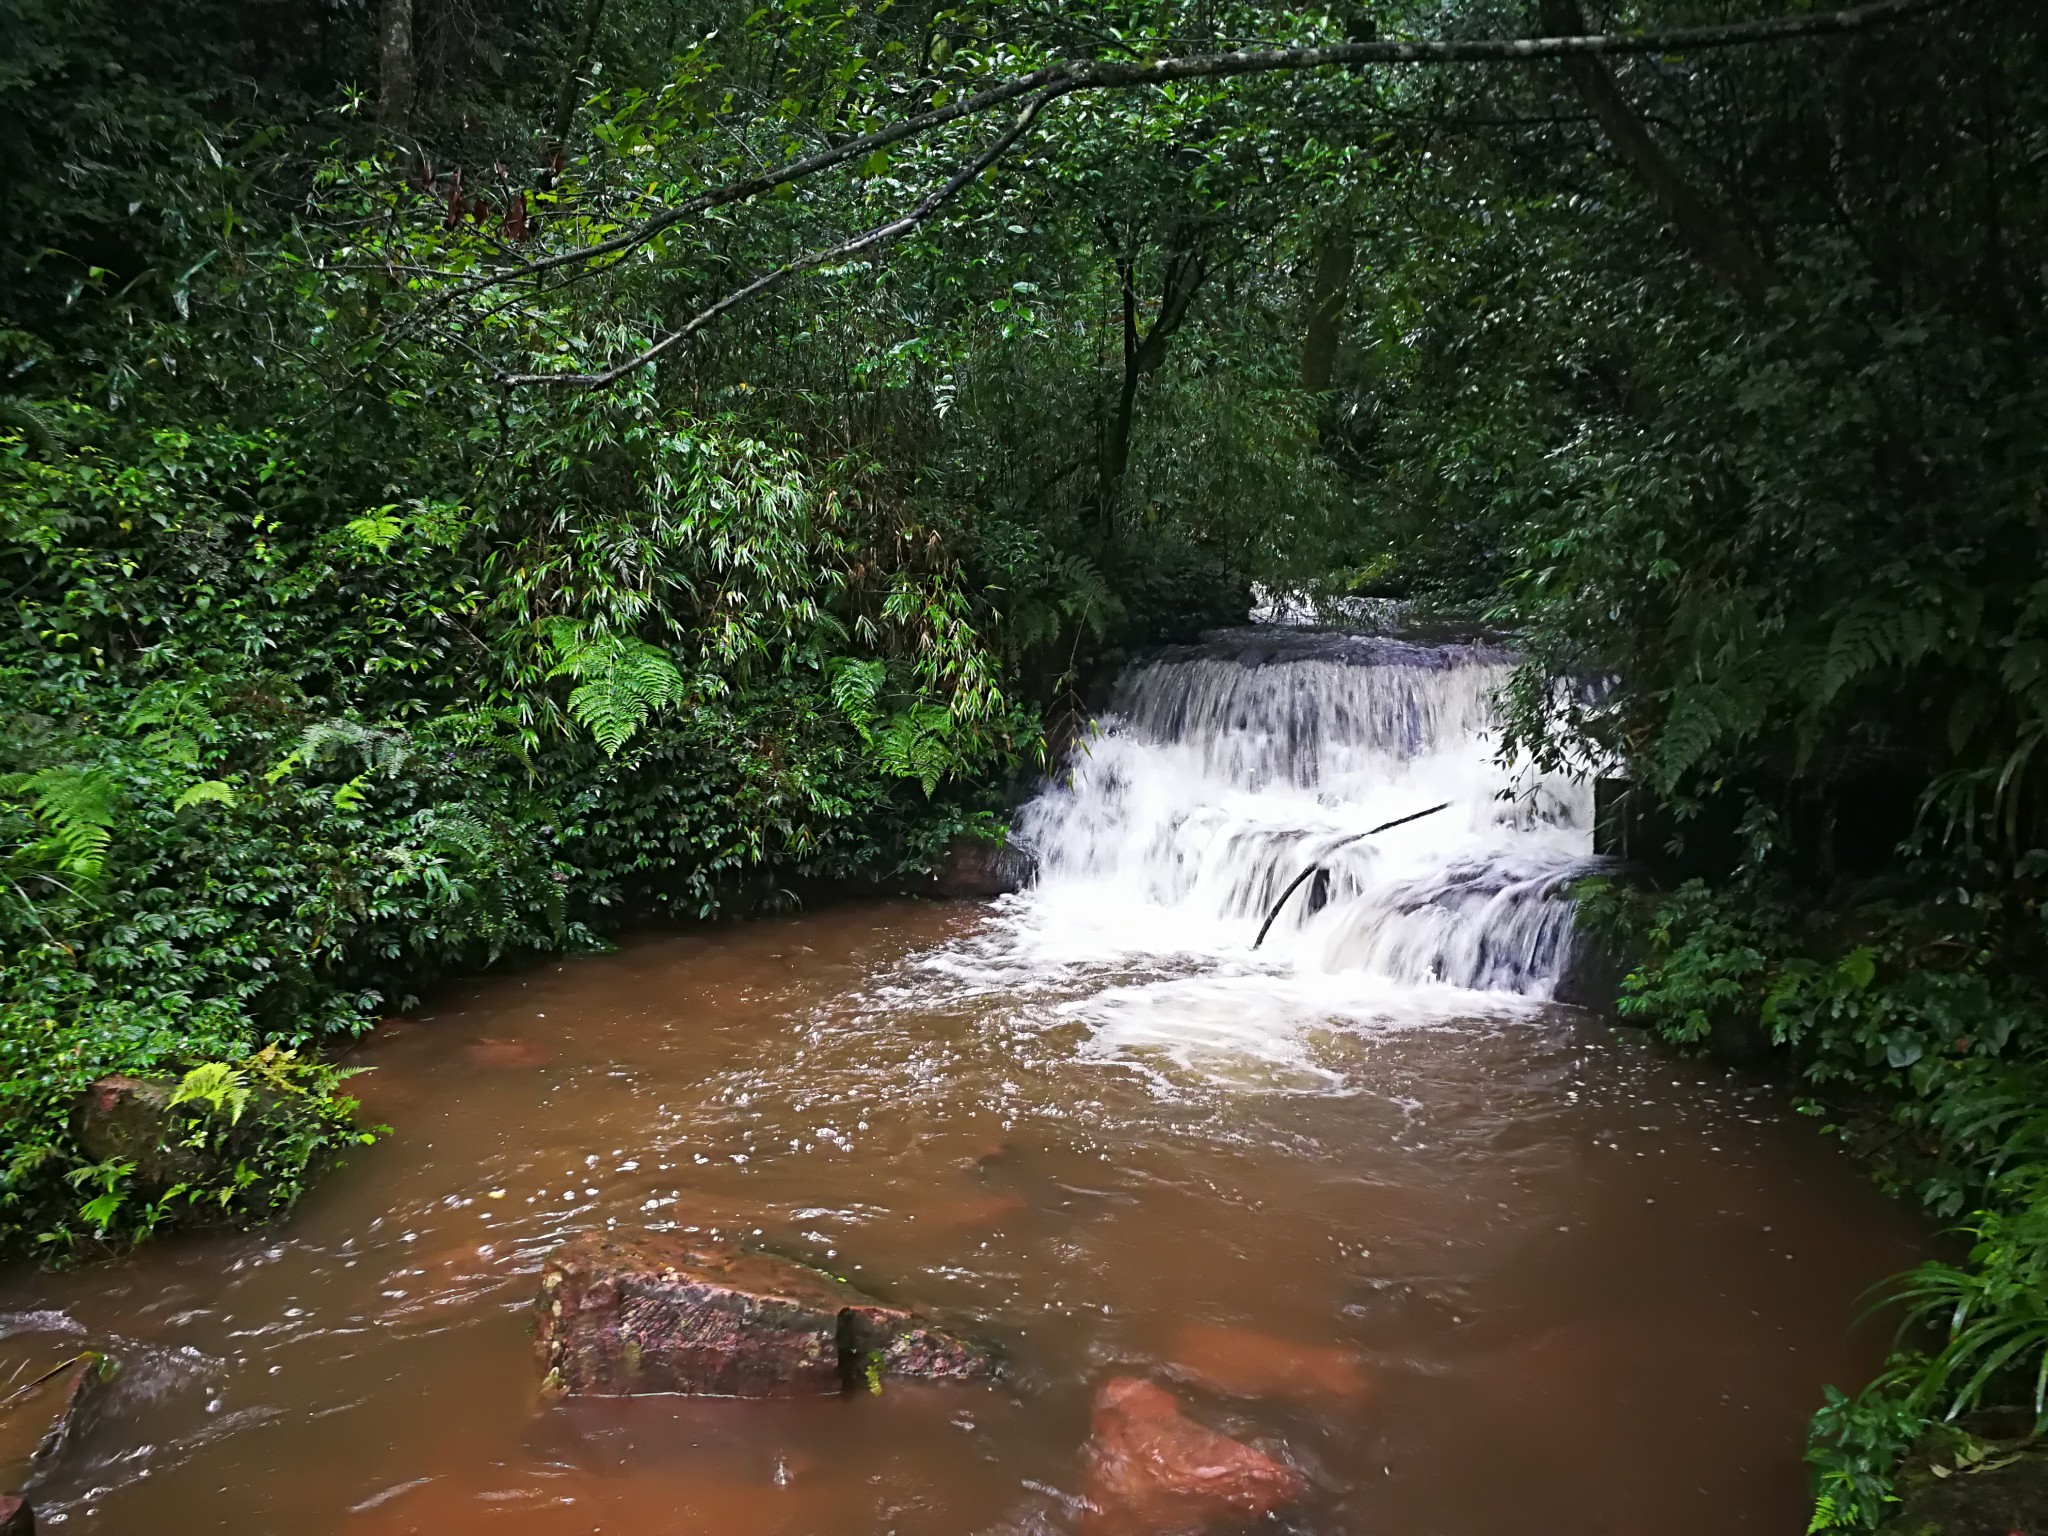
{"points": [[337, 668], [1788, 546], [343, 663]]}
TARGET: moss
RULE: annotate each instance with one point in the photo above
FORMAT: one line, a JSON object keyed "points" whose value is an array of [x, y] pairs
{"points": [[1955, 1485]]}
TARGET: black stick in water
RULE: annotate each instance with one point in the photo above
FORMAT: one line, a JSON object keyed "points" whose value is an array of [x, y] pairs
{"points": [[1399, 821]]}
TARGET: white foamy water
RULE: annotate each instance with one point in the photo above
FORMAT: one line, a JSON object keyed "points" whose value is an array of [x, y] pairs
{"points": [[1217, 777]]}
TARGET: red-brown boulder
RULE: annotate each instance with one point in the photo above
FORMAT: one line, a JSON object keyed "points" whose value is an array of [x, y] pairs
{"points": [[130, 1119], [1153, 1471], [660, 1312]]}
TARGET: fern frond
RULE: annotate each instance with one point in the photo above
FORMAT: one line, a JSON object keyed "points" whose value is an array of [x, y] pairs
{"points": [[77, 806], [1689, 732], [206, 792], [219, 1084], [622, 681], [1871, 637], [376, 530], [857, 691]]}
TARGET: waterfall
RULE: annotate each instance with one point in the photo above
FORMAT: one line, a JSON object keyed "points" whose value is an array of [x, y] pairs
{"points": [[1221, 772]]}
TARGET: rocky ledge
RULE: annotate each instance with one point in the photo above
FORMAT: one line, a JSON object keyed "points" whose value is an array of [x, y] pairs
{"points": [[622, 1314]]}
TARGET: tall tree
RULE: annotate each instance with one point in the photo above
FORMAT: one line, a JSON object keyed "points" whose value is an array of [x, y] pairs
{"points": [[1707, 231], [397, 66]]}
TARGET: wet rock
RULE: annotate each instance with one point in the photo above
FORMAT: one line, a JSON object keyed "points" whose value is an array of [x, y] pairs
{"points": [[16, 1518], [130, 1119], [41, 1419], [72, 1398], [1238, 1362], [1948, 1488], [510, 1055], [1592, 974], [659, 1312], [975, 868], [1153, 1471]]}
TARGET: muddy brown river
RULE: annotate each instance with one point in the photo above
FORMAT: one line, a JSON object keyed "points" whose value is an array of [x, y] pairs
{"points": [[1499, 1275], [1469, 1262]]}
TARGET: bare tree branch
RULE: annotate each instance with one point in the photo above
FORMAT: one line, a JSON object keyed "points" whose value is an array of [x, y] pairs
{"points": [[880, 234], [1043, 86], [1089, 75], [1714, 239]]}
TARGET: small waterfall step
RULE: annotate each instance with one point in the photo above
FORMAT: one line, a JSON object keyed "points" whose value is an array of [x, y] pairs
{"points": [[1222, 771]]}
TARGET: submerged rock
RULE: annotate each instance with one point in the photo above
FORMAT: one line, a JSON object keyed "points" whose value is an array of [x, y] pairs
{"points": [[973, 1211], [68, 1400], [660, 1312], [1239, 1362], [40, 1420], [1153, 1471], [510, 1055]]}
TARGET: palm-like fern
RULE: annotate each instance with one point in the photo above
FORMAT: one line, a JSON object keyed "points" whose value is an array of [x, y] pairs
{"points": [[76, 808], [918, 743], [621, 681], [857, 693], [1873, 635]]}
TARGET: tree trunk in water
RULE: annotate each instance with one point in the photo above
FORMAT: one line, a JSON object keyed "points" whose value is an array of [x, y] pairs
{"points": [[1708, 233], [1335, 252], [396, 70]]}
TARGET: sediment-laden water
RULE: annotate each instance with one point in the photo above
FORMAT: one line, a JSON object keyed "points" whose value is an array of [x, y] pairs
{"points": [[1472, 1262]]}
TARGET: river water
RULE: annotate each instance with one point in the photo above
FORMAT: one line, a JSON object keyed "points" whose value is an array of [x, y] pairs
{"points": [[1471, 1261]]}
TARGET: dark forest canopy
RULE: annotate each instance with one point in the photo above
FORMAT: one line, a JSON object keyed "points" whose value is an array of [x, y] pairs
{"points": [[948, 353]]}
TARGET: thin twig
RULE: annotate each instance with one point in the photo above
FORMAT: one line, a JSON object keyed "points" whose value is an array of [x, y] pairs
{"points": [[1295, 885], [56, 1370], [880, 234], [1095, 74]]}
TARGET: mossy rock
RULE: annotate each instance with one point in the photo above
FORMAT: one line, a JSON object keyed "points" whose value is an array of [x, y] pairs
{"points": [[1974, 1488]]}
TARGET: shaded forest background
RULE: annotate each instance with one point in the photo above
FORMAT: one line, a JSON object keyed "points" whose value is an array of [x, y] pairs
{"points": [[341, 662]]}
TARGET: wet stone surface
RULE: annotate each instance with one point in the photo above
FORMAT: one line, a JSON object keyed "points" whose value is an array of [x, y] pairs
{"points": [[623, 1314], [1153, 1471]]}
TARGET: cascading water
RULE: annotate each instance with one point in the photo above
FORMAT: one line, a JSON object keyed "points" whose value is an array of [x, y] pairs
{"points": [[1220, 773]]}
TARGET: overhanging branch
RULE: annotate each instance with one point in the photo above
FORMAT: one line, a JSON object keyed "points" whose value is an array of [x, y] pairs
{"points": [[868, 239], [1042, 86]]}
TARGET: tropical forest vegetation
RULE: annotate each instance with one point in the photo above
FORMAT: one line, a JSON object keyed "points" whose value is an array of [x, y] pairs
{"points": [[478, 473]]}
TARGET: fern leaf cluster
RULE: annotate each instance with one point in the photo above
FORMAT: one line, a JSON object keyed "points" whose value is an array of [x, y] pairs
{"points": [[76, 807], [621, 681]]}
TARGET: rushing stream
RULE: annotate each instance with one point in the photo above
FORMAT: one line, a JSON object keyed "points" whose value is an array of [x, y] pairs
{"points": [[1474, 1263]]}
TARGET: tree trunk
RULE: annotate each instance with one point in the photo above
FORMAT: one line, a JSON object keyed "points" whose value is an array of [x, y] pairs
{"points": [[565, 104], [1335, 252], [397, 72], [1144, 351], [1708, 234]]}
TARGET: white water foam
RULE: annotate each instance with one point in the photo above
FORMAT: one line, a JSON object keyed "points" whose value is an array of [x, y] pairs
{"points": [[1221, 773]]}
